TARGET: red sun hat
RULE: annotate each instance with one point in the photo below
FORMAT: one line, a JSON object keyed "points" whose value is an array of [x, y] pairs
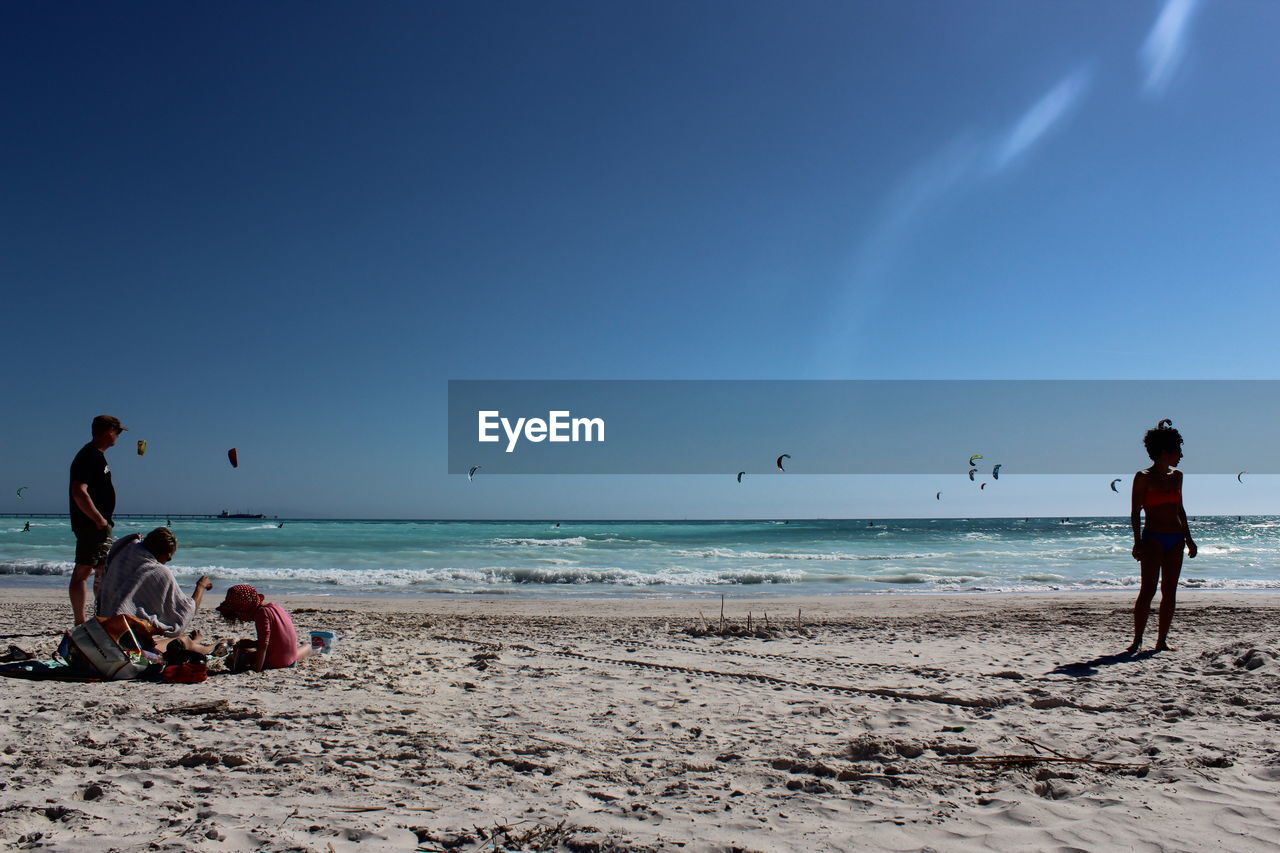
{"points": [[242, 600]]}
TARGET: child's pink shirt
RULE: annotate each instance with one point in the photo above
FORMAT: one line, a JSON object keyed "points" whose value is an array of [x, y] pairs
{"points": [[277, 635]]}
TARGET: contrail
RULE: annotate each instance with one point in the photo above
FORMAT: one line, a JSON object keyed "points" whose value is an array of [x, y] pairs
{"points": [[955, 170], [1041, 117], [1165, 45]]}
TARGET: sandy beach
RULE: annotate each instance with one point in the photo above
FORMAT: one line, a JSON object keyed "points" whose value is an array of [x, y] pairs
{"points": [[905, 723]]}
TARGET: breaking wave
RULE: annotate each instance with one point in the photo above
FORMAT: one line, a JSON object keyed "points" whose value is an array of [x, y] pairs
{"points": [[568, 542]]}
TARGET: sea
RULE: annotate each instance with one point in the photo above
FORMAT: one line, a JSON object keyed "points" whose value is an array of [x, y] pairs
{"points": [[662, 558]]}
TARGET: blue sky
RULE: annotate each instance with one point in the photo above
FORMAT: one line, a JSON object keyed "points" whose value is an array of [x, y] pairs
{"points": [[284, 227]]}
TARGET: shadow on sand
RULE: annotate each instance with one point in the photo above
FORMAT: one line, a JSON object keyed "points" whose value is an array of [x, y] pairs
{"points": [[1087, 668]]}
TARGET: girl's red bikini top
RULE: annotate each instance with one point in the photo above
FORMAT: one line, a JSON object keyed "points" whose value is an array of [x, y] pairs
{"points": [[1157, 497]]}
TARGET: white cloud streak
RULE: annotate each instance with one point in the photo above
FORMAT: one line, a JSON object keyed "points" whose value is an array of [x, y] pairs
{"points": [[1166, 44], [958, 168], [1041, 117]]}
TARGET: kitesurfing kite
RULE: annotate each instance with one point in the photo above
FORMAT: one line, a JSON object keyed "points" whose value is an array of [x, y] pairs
{"points": [[983, 486], [1113, 484], [780, 458], [20, 488], [142, 447], [995, 473], [972, 471], [1164, 423], [471, 475], [740, 473], [938, 496], [233, 458], [974, 458], [1241, 474]]}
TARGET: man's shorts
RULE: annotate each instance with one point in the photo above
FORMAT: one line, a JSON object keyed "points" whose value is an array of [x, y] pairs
{"points": [[92, 546]]}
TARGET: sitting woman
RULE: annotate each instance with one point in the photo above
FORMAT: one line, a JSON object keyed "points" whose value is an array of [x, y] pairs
{"points": [[137, 582], [277, 643]]}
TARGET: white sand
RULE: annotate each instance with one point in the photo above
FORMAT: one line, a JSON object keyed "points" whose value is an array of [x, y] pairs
{"points": [[605, 719]]}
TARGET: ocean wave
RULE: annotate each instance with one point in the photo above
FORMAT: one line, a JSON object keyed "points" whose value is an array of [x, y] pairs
{"points": [[1131, 584], [501, 575], [728, 553], [37, 567], [507, 579], [568, 542], [1230, 583]]}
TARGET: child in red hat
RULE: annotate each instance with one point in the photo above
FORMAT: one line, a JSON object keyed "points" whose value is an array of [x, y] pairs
{"points": [[277, 644]]}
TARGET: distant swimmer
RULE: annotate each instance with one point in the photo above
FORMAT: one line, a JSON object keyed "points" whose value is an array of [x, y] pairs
{"points": [[557, 525], [1160, 531], [26, 528]]}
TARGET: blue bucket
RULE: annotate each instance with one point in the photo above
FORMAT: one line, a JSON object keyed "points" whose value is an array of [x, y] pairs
{"points": [[322, 641]]}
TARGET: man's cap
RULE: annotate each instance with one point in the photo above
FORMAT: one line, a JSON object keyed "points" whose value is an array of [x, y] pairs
{"points": [[102, 423]]}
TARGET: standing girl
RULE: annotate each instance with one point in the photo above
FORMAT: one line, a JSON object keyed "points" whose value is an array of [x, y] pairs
{"points": [[1158, 545]]}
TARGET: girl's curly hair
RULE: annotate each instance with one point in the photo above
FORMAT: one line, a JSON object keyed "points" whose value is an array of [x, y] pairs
{"points": [[1163, 439]]}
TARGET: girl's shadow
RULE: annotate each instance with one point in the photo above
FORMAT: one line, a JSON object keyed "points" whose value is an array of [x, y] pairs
{"points": [[1089, 668]]}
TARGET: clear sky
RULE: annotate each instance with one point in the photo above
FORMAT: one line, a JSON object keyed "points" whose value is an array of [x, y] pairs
{"points": [[284, 227]]}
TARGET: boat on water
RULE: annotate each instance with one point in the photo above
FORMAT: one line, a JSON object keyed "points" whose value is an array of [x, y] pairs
{"points": [[225, 514]]}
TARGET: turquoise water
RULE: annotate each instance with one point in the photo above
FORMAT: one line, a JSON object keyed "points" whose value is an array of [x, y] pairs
{"points": [[665, 558]]}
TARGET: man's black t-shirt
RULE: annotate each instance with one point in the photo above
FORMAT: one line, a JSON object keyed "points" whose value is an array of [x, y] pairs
{"points": [[90, 467]]}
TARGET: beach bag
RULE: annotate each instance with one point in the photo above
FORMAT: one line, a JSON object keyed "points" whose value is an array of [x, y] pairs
{"points": [[111, 646], [184, 673]]}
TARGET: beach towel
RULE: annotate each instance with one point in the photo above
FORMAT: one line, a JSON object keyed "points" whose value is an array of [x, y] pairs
{"points": [[51, 670], [136, 583]]}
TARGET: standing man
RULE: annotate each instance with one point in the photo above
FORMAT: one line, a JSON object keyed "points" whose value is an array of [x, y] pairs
{"points": [[93, 500]]}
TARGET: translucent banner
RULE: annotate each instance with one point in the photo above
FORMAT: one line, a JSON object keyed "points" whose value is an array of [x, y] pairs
{"points": [[856, 426]]}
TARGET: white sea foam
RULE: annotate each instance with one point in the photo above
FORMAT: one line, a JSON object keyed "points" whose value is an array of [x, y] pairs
{"points": [[37, 567], [569, 542], [729, 553], [531, 575]]}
